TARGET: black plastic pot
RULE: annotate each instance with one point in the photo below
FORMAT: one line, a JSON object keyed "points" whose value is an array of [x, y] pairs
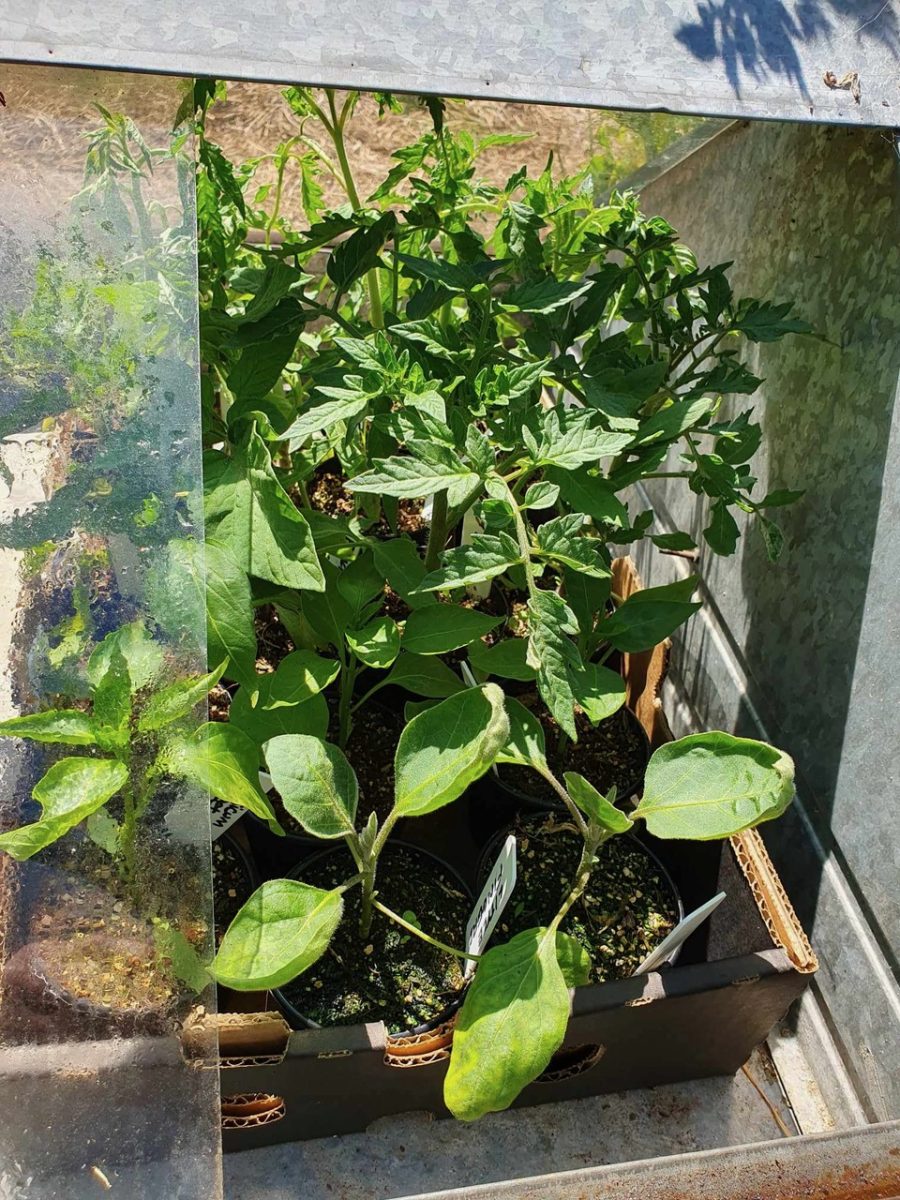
{"points": [[492, 849], [297, 1019], [232, 844]]}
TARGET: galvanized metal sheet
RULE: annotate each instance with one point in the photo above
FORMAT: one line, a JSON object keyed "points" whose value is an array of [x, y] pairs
{"points": [[808, 60]]}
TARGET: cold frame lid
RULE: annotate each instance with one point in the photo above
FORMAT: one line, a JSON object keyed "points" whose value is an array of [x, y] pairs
{"points": [[106, 922]]}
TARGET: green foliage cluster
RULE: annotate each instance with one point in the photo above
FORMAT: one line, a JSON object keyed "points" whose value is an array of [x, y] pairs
{"points": [[509, 361]]}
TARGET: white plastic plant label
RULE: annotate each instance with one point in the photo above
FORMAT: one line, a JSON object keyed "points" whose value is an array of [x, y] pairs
{"points": [[679, 934], [490, 904]]}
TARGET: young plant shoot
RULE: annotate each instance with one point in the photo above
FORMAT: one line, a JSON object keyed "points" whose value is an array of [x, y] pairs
{"points": [[515, 1013], [286, 924]]}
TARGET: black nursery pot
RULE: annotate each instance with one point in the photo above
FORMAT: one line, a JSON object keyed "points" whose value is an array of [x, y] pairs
{"points": [[300, 1020], [632, 840], [235, 879]]}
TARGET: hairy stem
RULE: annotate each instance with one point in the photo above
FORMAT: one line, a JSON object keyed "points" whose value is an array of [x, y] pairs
{"points": [[345, 710], [574, 810]]}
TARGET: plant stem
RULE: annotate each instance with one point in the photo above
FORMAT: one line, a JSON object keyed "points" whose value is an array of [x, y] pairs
{"points": [[368, 898], [348, 682], [563, 794], [524, 544], [437, 534], [336, 129], [582, 878], [420, 933]]}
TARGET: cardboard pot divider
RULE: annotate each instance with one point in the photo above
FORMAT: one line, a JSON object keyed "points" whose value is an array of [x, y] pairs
{"points": [[735, 979]]}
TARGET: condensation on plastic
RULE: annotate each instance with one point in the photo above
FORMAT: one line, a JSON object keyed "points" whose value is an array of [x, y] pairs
{"points": [[99, 472]]}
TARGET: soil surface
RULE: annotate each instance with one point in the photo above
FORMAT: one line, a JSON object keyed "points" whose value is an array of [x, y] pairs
{"points": [[232, 883], [610, 753], [328, 495], [391, 975], [625, 912]]}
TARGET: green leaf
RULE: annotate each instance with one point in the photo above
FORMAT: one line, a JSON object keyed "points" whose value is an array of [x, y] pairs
{"points": [[184, 961], [143, 656], [543, 494], [563, 539], [259, 368], [586, 595], [222, 759], [590, 494], [570, 438], [262, 529], [412, 477], [351, 259], [55, 726], [279, 933], [525, 746], [722, 533], [671, 422], [506, 659], [201, 578], [445, 627], [543, 295], [104, 831], [446, 748], [376, 644], [762, 321], [673, 541], [260, 722], [401, 565], [599, 691], [485, 557], [424, 675], [712, 785], [298, 677], [553, 655], [323, 416], [316, 783], [68, 793], [111, 696], [649, 616], [574, 961], [600, 809], [359, 583], [780, 497], [177, 700], [512, 1021]]}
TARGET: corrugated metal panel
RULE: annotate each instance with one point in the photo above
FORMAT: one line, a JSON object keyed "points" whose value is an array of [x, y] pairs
{"points": [[752, 58]]}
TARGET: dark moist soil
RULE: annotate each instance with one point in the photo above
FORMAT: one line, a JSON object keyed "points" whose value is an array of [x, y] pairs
{"points": [[391, 976], [607, 754], [232, 884], [272, 639], [327, 495], [625, 912]]}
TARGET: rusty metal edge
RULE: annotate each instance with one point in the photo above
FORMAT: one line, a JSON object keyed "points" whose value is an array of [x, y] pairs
{"points": [[856, 1164]]}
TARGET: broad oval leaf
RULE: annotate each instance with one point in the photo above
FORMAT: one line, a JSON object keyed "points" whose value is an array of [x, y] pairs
{"points": [[278, 934], [70, 791], [221, 758], [56, 726], [648, 617], [574, 961], [599, 808], [506, 659], [317, 785], [261, 723], [712, 785], [599, 691], [444, 627], [512, 1021], [485, 557], [448, 747], [424, 675], [376, 644]]}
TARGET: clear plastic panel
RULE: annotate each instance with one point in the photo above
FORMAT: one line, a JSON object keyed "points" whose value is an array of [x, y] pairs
{"points": [[105, 877]]}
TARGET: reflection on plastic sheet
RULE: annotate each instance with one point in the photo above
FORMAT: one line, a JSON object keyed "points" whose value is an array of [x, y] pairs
{"points": [[105, 888]]}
